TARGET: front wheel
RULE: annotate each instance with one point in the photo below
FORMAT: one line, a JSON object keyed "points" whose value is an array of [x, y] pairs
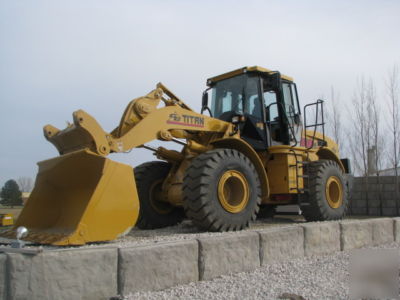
{"points": [[221, 190], [326, 198]]}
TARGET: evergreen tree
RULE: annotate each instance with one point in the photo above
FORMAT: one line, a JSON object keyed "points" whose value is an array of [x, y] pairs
{"points": [[10, 194]]}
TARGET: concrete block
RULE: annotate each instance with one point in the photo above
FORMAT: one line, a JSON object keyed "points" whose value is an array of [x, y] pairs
{"points": [[389, 203], [355, 234], [358, 180], [357, 203], [389, 211], [355, 196], [64, 274], [364, 196], [387, 179], [3, 270], [374, 203], [371, 196], [373, 187], [228, 254], [357, 211], [382, 231], [396, 229], [357, 187], [374, 211], [280, 244], [361, 203], [389, 187], [159, 266], [321, 238], [389, 195]]}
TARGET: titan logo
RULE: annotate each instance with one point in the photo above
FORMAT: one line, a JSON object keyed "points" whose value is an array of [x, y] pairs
{"points": [[186, 120]]}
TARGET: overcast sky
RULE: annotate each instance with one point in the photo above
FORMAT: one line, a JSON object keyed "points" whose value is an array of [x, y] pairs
{"points": [[59, 56]]}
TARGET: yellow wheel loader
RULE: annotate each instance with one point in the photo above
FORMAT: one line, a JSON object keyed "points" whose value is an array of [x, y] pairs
{"points": [[252, 150]]}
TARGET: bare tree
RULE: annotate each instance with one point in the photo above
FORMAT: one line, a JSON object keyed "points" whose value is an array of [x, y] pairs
{"points": [[377, 148], [393, 86], [377, 139], [365, 133], [335, 118], [359, 131], [25, 184], [366, 139]]}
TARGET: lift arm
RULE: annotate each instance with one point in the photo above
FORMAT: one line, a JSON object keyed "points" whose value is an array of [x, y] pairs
{"points": [[141, 122]]}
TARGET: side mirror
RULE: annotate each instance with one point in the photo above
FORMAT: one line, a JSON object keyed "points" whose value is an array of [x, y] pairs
{"points": [[204, 100]]}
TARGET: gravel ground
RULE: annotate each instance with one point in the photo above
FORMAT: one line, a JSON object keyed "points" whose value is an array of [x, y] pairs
{"points": [[323, 277], [182, 231]]}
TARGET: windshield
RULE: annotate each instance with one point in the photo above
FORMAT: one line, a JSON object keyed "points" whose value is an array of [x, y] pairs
{"points": [[237, 95]]}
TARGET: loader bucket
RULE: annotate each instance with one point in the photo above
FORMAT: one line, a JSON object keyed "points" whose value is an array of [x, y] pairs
{"points": [[79, 198]]}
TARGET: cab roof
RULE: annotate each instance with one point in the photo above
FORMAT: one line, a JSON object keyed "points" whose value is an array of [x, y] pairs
{"points": [[243, 70]]}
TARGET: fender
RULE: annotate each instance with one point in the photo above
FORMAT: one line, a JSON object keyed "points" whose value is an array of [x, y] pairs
{"points": [[246, 149], [326, 153]]}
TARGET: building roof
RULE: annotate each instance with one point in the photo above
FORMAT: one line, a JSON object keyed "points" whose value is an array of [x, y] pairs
{"points": [[242, 71]]}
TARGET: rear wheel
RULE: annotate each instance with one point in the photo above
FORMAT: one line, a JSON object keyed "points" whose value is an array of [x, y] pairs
{"points": [[221, 190], [154, 212], [326, 198]]}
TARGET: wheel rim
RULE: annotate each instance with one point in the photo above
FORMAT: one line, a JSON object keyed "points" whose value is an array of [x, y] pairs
{"points": [[233, 191], [158, 205], [334, 192]]}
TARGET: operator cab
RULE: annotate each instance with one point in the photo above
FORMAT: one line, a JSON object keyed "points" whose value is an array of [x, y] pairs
{"points": [[263, 104]]}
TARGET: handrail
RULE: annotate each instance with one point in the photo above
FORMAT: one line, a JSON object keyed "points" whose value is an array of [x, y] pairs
{"points": [[318, 103]]}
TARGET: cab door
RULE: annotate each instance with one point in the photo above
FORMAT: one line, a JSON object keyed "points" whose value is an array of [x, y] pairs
{"points": [[292, 112], [253, 130]]}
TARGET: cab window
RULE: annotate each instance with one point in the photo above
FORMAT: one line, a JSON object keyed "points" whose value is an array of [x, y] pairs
{"points": [[236, 95], [290, 102], [271, 105]]}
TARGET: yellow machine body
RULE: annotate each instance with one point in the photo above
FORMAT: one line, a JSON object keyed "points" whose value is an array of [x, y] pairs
{"points": [[286, 175], [6, 219], [82, 196]]}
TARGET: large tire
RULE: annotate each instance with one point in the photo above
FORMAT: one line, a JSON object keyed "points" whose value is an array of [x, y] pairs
{"points": [[326, 198], [154, 213], [221, 190]]}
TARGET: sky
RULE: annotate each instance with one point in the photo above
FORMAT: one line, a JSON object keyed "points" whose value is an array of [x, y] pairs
{"points": [[60, 56]]}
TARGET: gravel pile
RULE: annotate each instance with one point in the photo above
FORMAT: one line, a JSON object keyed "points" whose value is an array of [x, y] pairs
{"points": [[323, 277]]}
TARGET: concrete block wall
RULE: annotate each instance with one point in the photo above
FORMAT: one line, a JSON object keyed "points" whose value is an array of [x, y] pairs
{"points": [[374, 196], [102, 273], [156, 267], [228, 254], [3, 275]]}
